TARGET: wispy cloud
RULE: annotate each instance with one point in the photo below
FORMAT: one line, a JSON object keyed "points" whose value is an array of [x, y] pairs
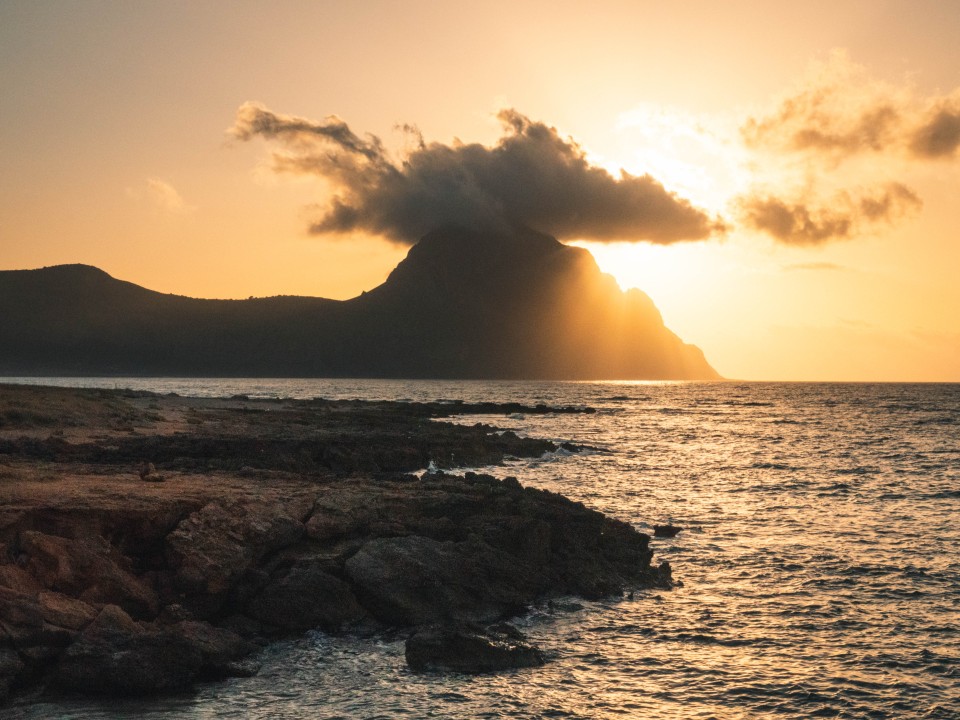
{"points": [[840, 111], [814, 267], [844, 144], [161, 195]]}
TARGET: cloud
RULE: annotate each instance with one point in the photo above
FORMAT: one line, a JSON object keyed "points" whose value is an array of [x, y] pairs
{"points": [[808, 222], [815, 266], [837, 130], [532, 176], [938, 136], [840, 112], [163, 196]]}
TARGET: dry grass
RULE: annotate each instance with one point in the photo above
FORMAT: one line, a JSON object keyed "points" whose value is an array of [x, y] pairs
{"points": [[39, 411]]}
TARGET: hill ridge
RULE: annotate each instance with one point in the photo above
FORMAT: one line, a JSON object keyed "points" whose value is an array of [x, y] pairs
{"points": [[462, 304]]}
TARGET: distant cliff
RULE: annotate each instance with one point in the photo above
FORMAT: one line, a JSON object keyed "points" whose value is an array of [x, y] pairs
{"points": [[461, 305]]}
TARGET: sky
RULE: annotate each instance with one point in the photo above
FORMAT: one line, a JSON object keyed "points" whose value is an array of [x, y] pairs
{"points": [[781, 178]]}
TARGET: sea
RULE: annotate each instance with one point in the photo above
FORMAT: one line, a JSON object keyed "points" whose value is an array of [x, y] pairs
{"points": [[819, 561]]}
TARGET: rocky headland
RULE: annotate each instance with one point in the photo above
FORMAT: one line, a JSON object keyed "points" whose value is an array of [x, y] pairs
{"points": [[462, 304], [148, 542]]}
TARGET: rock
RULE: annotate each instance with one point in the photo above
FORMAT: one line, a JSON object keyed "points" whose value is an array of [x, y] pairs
{"points": [[664, 575], [213, 547], [222, 651], [666, 531], [507, 630], [306, 598], [259, 539], [112, 618], [19, 609], [39, 645], [511, 482], [418, 581], [208, 551], [66, 612], [563, 607], [245, 626], [148, 473], [528, 538], [10, 667], [324, 526], [469, 650], [173, 613], [16, 578], [114, 655], [89, 569], [22, 620]]}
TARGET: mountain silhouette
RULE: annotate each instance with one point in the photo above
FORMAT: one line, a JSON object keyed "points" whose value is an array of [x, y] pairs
{"points": [[462, 304]]}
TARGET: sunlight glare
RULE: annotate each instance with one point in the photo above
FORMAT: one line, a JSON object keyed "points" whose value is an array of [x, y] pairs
{"points": [[696, 157], [659, 270]]}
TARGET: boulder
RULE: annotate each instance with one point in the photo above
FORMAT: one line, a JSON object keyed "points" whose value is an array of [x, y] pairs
{"points": [[666, 531], [115, 655], [38, 646], [89, 569], [16, 578], [470, 650], [326, 525], [664, 575], [10, 667], [118, 656], [213, 547], [222, 651], [66, 612], [22, 621], [419, 581], [529, 538], [306, 598], [19, 609]]}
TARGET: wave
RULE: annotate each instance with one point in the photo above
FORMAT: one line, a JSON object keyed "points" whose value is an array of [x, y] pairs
{"points": [[773, 466]]}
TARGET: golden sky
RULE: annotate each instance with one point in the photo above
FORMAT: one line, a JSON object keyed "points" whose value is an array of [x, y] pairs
{"points": [[802, 158]]}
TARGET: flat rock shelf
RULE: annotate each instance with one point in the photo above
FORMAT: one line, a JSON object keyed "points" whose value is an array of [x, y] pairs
{"points": [[149, 542]]}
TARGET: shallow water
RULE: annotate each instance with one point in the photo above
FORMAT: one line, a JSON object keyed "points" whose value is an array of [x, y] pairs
{"points": [[820, 563]]}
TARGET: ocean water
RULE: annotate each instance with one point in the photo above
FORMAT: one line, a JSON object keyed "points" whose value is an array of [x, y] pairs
{"points": [[820, 563]]}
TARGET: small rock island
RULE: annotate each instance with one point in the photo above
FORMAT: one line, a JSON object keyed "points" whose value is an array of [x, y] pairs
{"points": [[148, 542]]}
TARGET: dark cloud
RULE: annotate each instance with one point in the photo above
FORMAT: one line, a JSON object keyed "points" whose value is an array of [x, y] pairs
{"points": [[532, 177], [938, 136], [807, 222], [794, 223], [300, 134]]}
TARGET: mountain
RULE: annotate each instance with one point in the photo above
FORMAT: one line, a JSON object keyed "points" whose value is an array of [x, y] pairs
{"points": [[462, 304]]}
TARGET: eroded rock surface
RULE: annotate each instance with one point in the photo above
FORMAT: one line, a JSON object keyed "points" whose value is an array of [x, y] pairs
{"points": [[109, 584], [115, 655], [468, 649], [307, 597]]}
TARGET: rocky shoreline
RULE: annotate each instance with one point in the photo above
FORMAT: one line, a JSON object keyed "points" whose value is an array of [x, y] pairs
{"points": [[148, 542]]}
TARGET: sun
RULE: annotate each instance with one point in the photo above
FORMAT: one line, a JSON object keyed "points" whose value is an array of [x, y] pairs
{"points": [[682, 279], [660, 271], [695, 156], [698, 158]]}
